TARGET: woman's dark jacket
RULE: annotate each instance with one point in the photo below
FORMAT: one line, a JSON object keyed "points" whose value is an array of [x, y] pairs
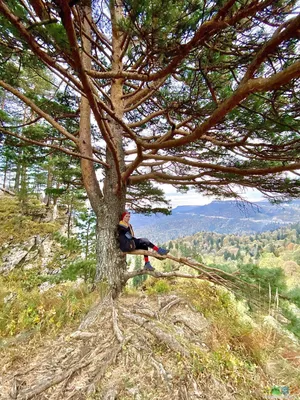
{"points": [[126, 240]]}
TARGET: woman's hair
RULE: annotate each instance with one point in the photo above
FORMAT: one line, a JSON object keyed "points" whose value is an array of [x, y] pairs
{"points": [[124, 213]]}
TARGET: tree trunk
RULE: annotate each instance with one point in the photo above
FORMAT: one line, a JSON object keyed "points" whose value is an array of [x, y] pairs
{"points": [[70, 212], [109, 203], [111, 262], [5, 172], [50, 176], [17, 176], [87, 240]]}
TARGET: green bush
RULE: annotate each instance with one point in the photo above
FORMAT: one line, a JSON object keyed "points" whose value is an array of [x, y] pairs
{"points": [[294, 324], [85, 269], [263, 277], [160, 286], [294, 296]]}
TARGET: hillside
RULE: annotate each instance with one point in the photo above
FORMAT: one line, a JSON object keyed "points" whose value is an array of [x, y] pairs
{"points": [[278, 248], [166, 338], [218, 216], [176, 341]]}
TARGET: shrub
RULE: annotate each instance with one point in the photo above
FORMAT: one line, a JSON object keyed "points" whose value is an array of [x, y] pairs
{"points": [[85, 269], [160, 286], [263, 277]]}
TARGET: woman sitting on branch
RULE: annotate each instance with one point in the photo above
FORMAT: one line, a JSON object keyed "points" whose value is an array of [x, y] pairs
{"points": [[129, 243]]}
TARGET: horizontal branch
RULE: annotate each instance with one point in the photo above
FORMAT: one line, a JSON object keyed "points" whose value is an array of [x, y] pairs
{"points": [[3, 189], [53, 146], [208, 169], [213, 274]]}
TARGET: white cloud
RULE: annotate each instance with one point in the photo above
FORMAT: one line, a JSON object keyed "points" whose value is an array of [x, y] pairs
{"points": [[193, 198]]}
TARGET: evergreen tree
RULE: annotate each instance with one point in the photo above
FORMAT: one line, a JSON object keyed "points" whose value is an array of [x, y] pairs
{"points": [[139, 279], [193, 94]]}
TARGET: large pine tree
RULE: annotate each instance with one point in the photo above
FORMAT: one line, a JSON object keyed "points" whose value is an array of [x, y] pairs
{"points": [[189, 93]]}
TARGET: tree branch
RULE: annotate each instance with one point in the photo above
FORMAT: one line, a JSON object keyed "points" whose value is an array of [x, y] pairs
{"points": [[281, 34], [215, 275], [251, 86], [53, 146], [214, 167], [40, 112], [36, 48]]}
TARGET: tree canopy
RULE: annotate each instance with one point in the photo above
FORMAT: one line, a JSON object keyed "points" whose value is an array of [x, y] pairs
{"points": [[209, 91], [191, 93]]}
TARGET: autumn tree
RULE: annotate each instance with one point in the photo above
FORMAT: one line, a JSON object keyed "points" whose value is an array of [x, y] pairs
{"points": [[190, 93]]}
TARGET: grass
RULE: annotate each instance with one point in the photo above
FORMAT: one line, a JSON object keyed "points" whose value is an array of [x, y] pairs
{"points": [[239, 342], [22, 307], [42, 312], [158, 286]]}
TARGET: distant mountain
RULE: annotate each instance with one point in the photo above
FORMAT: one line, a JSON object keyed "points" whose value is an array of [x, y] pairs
{"points": [[219, 216]]}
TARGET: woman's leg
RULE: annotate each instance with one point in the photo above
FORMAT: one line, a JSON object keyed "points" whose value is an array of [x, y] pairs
{"points": [[160, 250], [143, 244]]}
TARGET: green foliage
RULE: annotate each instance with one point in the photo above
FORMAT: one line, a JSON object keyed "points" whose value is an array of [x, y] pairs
{"points": [[294, 324], [34, 207], [46, 312], [56, 34], [25, 280], [55, 192], [264, 277], [143, 195], [71, 244], [85, 269], [294, 295], [167, 265], [85, 222], [212, 300], [159, 286], [16, 227], [165, 23], [139, 279]]}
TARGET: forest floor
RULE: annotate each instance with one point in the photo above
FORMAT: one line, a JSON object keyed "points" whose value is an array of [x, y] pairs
{"points": [[153, 346]]}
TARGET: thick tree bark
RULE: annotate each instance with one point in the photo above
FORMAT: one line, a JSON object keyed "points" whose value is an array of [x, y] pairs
{"points": [[111, 262], [109, 203]]}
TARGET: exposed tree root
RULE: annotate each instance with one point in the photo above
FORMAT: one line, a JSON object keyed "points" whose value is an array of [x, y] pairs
{"points": [[117, 336], [46, 383], [94, 313], [156, 331], [109, 359], [130, 349], [116, 328]]}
